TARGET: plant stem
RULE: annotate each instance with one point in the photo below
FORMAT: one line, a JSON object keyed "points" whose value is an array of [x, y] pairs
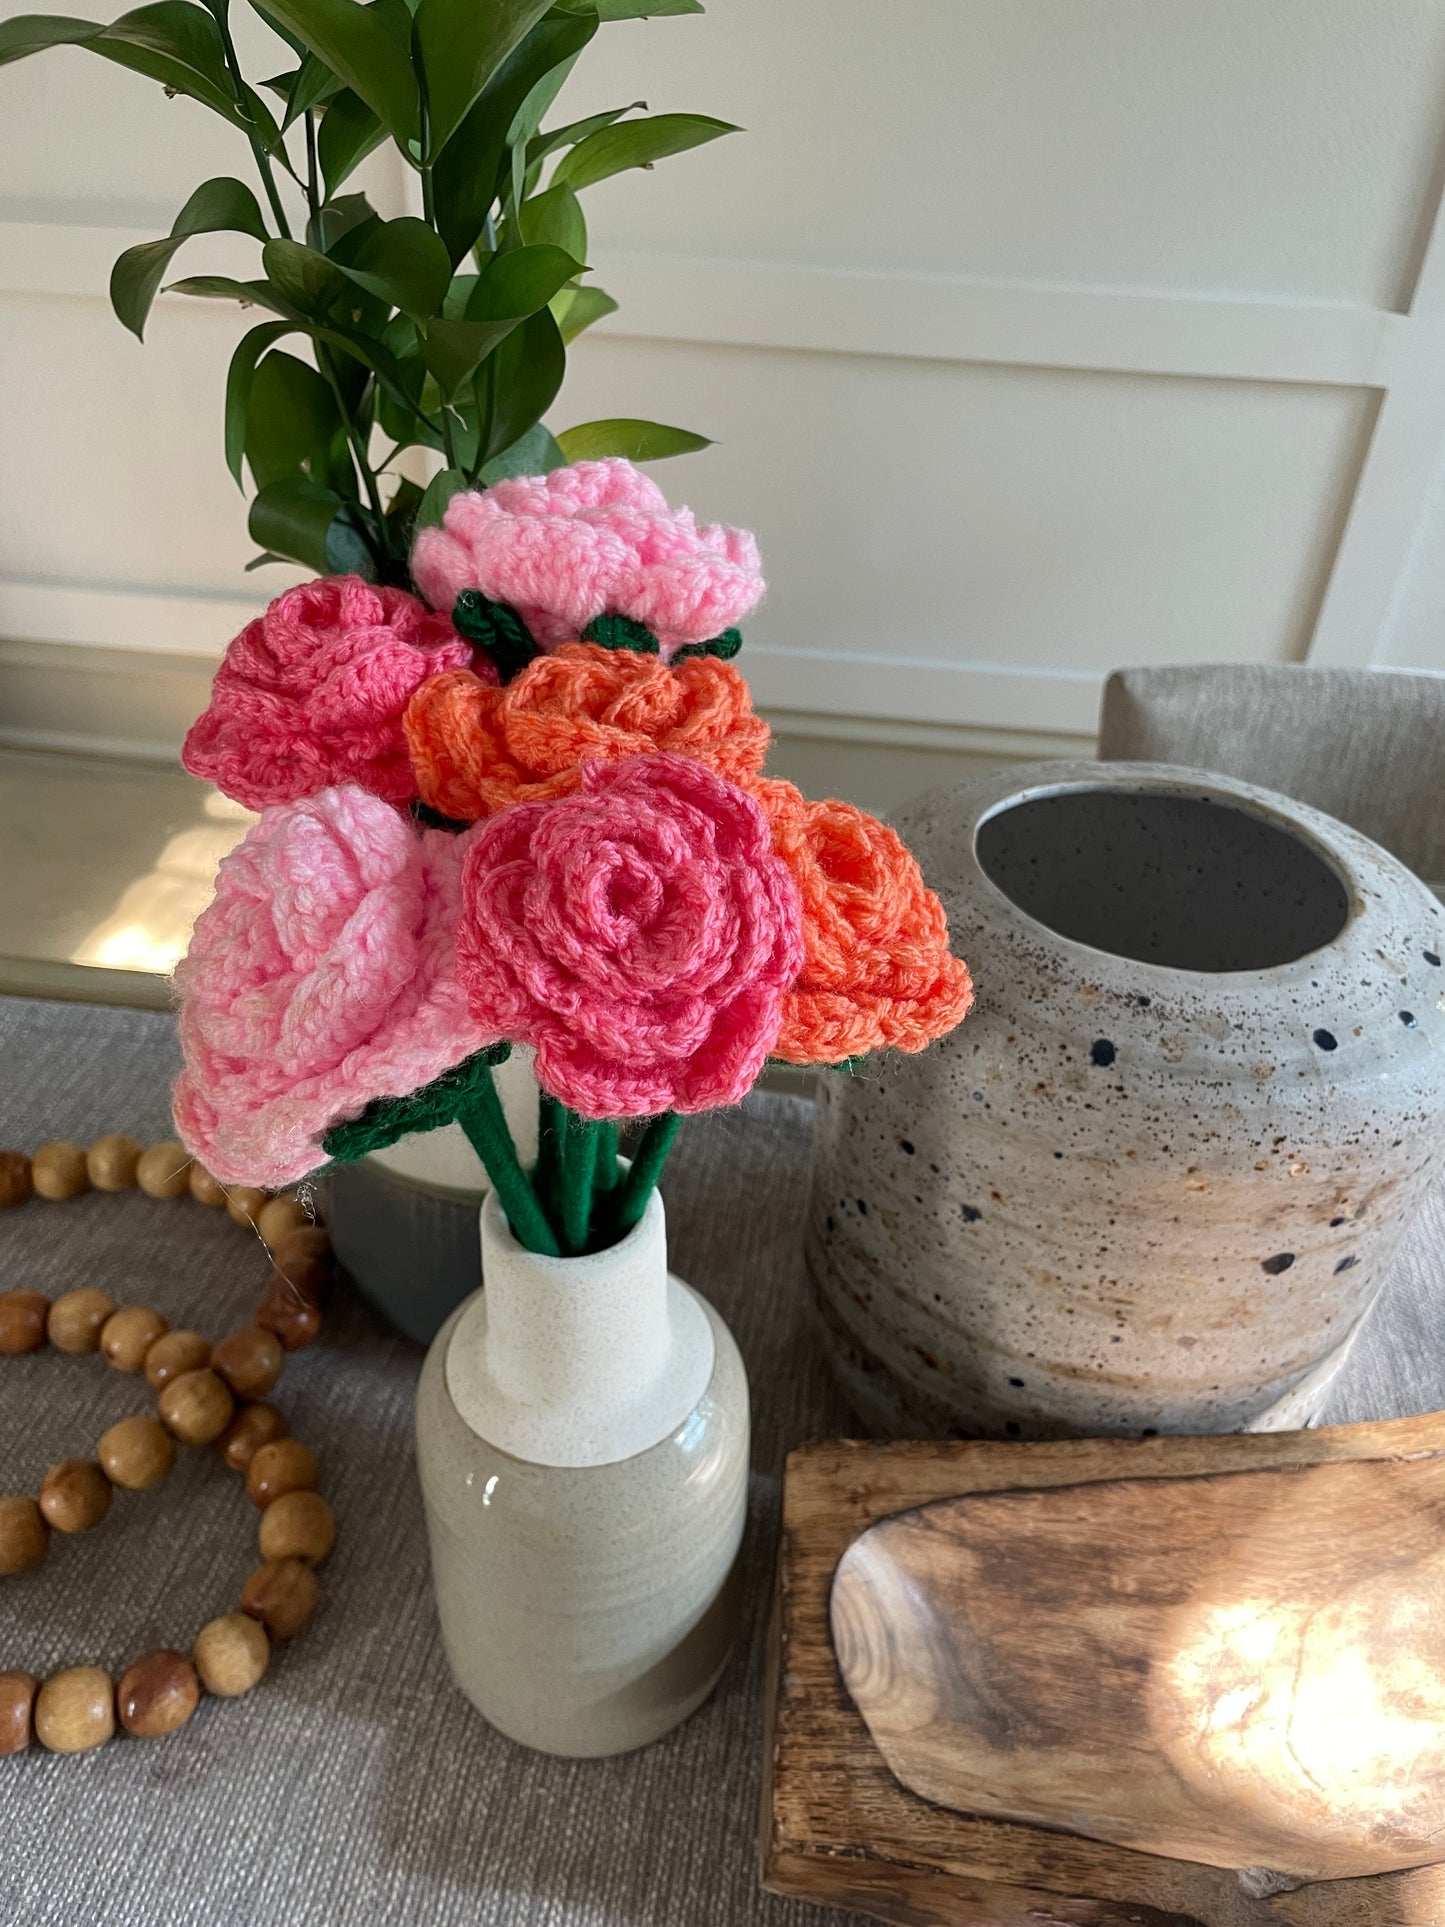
{"points": [[647, 1162], [579, 1162], [243, 106], [549, 1149], [485, 1124], [313, 176], [607, 1172], [353, 432]]}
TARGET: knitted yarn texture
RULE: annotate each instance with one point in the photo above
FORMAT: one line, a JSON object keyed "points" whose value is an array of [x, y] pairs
{"points": [[312, 693], [321, 975], [477, 749], [597, 538], [877, 969], [639, 932]]}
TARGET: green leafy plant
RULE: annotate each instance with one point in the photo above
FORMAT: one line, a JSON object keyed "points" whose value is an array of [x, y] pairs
{"points": [[447, 331]]}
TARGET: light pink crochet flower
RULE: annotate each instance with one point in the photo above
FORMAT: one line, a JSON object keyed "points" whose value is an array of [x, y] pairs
{"points": [[321, 975], [640, 932], [313, 692], [595, 539]]}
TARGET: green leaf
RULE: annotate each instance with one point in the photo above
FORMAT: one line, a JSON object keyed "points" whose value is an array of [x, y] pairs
{"points": [[465, 176], [313, 84], [260, 561], [216, 206], [239, 377], [363, 47], [520, 282], [221, 287], [462, 45], [331, 223], [555, 217], [577, 308], [293, 427], [347, 550], [535, 453], [292, 518], [452, 349], [302, 277], [636, 143], [576, 130], [173, 42], [349, 132], [527, 371], [639, 441], [439, 491], [404, 263]]}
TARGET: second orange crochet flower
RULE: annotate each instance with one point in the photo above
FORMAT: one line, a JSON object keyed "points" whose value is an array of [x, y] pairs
{"points": [[476, 749], [877, 969]]}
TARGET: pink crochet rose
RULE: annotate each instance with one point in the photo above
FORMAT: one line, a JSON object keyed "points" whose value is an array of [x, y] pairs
{"points": [[313, 692], [595, 539], [640, 932], [321, 975]]}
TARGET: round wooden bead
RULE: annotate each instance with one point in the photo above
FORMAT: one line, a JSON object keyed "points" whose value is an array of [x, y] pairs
{"points": [[75, 1710], [231, 1654], [295, 1320], [279, 1217], [205, 1189], [243, 1201], [251, 1428], [250, 1360], [57, 1170], [24, 1535], [111, 1161], [282, 1595], [137, 1453], [17, 1703], [15, 1185], [158, 1694], [279, 1468], [75, 1495], [128, 1334], [164, 1170], [298, 1525], [74, 1321], [304, 1260], [174, 1353], [22, 1322], [197, 1406]]}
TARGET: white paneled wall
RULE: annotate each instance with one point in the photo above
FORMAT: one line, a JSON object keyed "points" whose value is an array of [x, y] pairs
{"points": [[1037, 336]]}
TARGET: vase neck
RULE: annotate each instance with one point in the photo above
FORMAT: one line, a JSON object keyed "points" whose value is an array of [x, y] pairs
{"points": [[567, 1331]]}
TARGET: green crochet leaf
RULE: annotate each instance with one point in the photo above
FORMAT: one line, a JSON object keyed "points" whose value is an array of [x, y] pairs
{"points": [[621, 632], [497, 628], [726, 645], [385, 1119]]}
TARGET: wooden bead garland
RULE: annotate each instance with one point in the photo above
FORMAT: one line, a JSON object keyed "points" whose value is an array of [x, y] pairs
{"points": [[204, 1395]]}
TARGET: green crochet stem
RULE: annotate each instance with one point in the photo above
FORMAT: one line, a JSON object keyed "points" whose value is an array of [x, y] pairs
{"points": [[486, 1127], [647, 1162], [579, 1164], [385, 1119], [497, 628], [607, 1171]]}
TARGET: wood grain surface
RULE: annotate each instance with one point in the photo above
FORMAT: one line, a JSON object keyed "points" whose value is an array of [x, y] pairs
{"points": [[1245, 1669], [837, 1826]]}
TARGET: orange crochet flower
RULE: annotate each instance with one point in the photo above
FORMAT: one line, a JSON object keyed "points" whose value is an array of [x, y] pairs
{"points": [[877, 969], [477, 749]]}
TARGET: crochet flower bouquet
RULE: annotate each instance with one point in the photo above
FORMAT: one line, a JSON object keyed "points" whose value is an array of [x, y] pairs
{"points": [[529, 809]]}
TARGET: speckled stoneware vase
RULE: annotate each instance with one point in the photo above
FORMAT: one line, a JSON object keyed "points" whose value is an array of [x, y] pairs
{"points": [[403, 1220], [582, 1440], [1154, 1182]]}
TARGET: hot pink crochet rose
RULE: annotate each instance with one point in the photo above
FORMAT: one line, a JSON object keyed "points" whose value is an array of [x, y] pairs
{"points": [[313, 692], [322, 975], [640, 932], [595, 539]]}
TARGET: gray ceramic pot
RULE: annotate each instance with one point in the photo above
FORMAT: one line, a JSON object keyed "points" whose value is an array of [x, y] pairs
{"points": [[1154, 1181]]}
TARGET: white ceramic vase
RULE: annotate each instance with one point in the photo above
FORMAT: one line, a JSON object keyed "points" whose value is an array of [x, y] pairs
{"points": [[582, 1441], [1155, 1180]]}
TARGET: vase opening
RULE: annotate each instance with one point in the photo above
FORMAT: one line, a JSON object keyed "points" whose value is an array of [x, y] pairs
{"points": [[1163, 877]]}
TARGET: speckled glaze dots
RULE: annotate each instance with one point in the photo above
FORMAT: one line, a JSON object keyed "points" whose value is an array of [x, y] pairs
{"points": [[1154, 1183]]}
